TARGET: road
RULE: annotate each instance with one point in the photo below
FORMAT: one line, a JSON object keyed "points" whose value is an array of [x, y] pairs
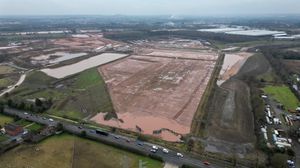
{"points": [[14, 66], [21, 80], [114, 139]]}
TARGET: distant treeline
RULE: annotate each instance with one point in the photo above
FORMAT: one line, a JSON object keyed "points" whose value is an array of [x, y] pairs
{"points": [[285, 54]]}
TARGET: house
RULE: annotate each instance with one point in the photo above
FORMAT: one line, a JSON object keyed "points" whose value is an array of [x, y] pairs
{"points": [[13, 130]]}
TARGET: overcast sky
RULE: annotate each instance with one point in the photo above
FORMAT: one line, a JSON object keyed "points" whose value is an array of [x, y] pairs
{"points": [[148, 7]]}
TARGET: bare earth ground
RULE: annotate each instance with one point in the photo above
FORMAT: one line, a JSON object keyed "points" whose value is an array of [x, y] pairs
{"points": [[231, 122], [154, 92], [91, 42], [171, 43], [232, 64], [38, 53]]}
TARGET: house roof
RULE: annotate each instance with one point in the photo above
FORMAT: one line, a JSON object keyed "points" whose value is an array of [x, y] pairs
{"points": [[11, 127]]}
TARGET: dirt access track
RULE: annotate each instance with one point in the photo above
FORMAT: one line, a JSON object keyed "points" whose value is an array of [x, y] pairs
{"points": [[157, 91]]}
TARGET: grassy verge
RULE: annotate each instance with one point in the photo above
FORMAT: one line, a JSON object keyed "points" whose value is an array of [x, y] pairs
{"points": [[284, 95], [66, 151], [199, 123], [3, 138], [5, 119], [23, 123], [5, 82]]}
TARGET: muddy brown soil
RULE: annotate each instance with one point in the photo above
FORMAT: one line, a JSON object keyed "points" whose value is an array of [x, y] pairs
{"points": [[150, 93]]}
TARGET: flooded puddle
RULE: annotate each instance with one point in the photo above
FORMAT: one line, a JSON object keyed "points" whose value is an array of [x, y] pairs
{"points": [[145, 124], [58, 57]]}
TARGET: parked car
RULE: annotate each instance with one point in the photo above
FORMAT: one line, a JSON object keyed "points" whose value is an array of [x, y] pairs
{"points": [[51, 120]]}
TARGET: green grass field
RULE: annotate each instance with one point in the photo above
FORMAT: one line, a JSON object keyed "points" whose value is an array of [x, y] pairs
{"points": [[66, 151], [269, 77], [3, 138], [80, 96], [4, 82], [5, 119], [88, 78], [284, 95]]}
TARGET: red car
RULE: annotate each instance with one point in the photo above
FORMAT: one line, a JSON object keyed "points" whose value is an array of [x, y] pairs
{"points": [[206, 163]]}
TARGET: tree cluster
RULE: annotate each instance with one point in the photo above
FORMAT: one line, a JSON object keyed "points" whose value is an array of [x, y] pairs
{"points": [[38, 106]]}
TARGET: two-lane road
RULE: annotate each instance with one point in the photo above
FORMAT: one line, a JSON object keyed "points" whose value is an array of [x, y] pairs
{"points": [[111, 138]]}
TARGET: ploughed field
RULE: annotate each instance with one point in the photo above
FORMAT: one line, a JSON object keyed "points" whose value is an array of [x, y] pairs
{"points": [[159, 91]]}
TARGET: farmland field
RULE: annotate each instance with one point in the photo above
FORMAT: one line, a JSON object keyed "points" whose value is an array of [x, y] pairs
{"points": [[284, 95], [66, 151]]}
